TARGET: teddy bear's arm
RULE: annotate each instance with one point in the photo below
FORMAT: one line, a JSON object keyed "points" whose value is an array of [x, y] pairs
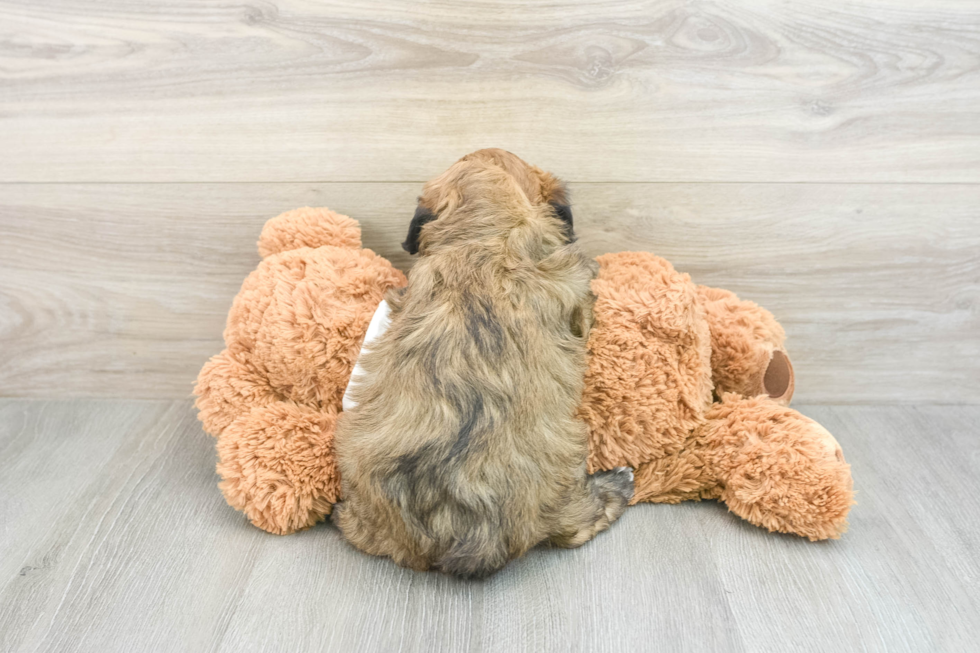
{"points": [[777, 468]]}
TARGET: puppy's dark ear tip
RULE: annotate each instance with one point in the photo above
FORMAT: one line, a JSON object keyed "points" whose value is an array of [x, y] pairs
{"points": [[422, 217], [564, 213]]}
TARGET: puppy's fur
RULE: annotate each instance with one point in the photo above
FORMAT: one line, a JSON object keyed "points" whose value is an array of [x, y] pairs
{"points": [[463, 451]]}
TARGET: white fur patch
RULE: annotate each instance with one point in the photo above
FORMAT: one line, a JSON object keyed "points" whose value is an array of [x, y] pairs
{"points": [[379, 324]]}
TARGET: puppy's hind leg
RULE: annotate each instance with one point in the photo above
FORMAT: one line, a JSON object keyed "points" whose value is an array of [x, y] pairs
{"points": [[599, 502], [477, 555]]}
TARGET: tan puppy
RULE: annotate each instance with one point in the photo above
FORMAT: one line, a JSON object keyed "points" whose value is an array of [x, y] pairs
{"points": [[463, 451]]}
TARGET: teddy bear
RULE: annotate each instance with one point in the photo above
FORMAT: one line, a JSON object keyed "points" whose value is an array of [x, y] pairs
{"points": [[686, 384]]}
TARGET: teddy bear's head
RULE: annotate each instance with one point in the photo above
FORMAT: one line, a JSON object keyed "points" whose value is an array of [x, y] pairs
{"points": [[293, 333]]}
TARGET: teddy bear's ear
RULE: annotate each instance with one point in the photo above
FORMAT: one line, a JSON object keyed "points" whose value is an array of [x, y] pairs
{"points": [[308, 227], [423, 216], [564, 213]]}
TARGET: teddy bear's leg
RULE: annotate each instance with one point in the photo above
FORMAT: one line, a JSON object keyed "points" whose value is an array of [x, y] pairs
{"points": [[778, 469], [277, 466], [682, 475], [748, 356]]}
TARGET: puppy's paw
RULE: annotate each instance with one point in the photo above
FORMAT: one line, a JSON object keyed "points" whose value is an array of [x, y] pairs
{"points": [[619, 480], [616, 489], [626, 470]]}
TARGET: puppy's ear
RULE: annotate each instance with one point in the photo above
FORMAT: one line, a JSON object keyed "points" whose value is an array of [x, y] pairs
{"points": [[564, 213], [423, 216]]}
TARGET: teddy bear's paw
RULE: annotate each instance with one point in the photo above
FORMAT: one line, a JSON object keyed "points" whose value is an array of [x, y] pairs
{"points": [[778, 381], [779, 469], [277, 466], [747, 352]]}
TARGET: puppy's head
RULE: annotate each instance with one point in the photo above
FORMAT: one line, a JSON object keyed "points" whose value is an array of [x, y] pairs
{"points": [[492, 178]]}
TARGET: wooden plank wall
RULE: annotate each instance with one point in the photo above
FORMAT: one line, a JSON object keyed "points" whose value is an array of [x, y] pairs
{"points": [[821, 159]]}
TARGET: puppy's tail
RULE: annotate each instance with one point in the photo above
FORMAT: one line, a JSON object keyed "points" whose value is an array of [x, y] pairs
{"points": [[477, 555]]}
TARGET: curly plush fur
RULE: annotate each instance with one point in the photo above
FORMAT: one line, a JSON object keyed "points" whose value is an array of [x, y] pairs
{"points": [[293, 334], [676, 386], [657, 344]]}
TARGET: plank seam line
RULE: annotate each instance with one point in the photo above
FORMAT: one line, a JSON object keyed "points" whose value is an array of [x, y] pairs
{"points": [[422, 181]]}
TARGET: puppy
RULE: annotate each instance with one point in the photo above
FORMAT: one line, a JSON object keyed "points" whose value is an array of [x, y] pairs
{"points": [[463, 450]]}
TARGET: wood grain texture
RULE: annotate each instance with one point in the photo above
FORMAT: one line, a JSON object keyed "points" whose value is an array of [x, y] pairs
{"points": [[115, 538], [661, 90], [128, 546], [122, 289]]}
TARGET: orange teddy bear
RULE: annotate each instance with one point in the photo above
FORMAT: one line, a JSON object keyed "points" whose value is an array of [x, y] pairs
{"points": [[686, 384]]}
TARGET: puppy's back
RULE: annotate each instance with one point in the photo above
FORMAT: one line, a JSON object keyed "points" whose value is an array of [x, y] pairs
{"points": [[463, 446], [463, 450]]}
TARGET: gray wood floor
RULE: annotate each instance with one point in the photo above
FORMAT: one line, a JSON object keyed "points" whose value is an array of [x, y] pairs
{"points": [[115, 538]]}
